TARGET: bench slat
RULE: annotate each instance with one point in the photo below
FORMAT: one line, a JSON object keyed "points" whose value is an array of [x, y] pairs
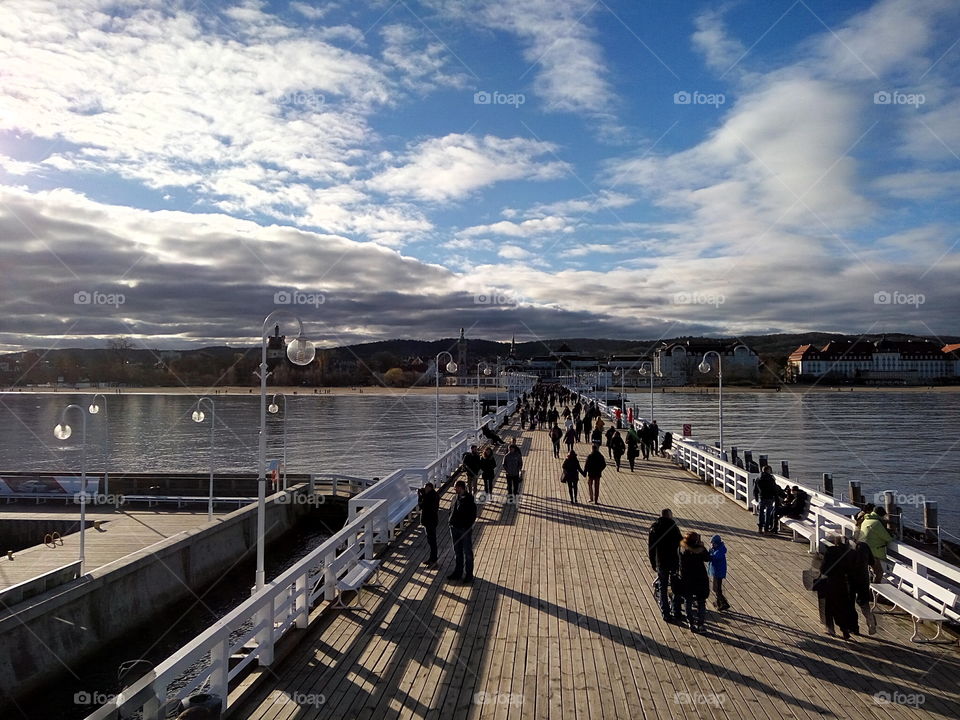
{"points": [[907, 602]]}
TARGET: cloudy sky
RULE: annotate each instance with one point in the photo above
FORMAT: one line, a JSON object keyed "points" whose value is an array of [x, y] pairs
{"points": [[173, 171]]}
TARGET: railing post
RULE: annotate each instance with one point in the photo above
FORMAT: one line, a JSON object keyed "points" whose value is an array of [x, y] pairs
{"points": [[815, 538], [748, 460], [330, 576], [828, 484], [265, 636], [762, 460], [890, 505], [302, 605], [220, 672], [158, 700]]}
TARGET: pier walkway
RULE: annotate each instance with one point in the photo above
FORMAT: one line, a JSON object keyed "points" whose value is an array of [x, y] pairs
{"points": [[561, 623], [123, 531]]}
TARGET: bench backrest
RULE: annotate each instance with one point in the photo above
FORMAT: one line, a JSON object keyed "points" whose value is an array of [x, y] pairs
{"points": [[945, 596]]}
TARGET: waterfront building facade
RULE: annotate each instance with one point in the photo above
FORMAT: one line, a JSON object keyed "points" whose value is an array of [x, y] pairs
{"points": [[883, 362]]}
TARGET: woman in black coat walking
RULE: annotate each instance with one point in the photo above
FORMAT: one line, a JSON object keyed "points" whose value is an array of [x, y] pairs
{"points": [[833, 589], [617, 446], [429, 501], [488, 469], [570, 473], [694, 581]]}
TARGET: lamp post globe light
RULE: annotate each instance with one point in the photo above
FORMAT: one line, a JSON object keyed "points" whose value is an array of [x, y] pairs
{"points": [[63, 431], [94, 409], [273, 409], [451, 367], [646, 368], [198, 416], [300, 352], [704, 367]]}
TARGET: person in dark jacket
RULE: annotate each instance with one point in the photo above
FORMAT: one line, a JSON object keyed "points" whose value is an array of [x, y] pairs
{"points": [[836, 601], [795, 504], [859, 578], [633, 447], [765, 492], [492, 436], [488, 470], [594, 465], [718, 571], [512, 467], [429, 501], [471, 466], [610, 431], [556, 435], [463, 514], [570, 473], [667, 443], [664, 548], [570, 438], [694, 582], [645, 441], [617, 446]]}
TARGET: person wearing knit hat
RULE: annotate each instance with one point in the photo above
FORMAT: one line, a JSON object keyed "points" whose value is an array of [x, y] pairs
{"points": [[718, 570]]}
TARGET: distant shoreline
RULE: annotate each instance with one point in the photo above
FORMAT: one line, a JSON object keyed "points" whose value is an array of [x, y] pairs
{"points": [[462, 390]]}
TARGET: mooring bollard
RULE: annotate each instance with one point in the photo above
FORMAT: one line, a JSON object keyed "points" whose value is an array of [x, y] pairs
{"points": [[762, 461], [930, 520], [855, 497], [785, 468], [894, 523], [733, 454], [748, 459], [828, 484]]}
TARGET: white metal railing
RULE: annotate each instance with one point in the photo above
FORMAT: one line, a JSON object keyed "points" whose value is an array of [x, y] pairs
{"points": [[261, 621], [285, 602], [827, 514]]}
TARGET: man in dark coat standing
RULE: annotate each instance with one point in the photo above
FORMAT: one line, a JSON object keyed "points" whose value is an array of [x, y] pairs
{"points": [[594, 465], [463, 515], [429, 517], [664, 547]]}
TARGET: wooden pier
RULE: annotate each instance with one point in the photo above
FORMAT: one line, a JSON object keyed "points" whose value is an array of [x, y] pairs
{"points": [[122, 532], [561, 623]]}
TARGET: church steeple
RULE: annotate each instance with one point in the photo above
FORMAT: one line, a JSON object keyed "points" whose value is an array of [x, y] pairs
{"points": [[513, 346]]}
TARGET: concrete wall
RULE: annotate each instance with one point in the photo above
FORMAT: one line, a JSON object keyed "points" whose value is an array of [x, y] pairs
{"points": [[66, 625]]}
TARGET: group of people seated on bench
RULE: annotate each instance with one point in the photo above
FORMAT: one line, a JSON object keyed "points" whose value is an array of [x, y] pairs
{"points": [[773, 502]]}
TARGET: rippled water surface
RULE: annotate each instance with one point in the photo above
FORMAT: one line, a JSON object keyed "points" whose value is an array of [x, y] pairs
{"points": [[905, 441]]}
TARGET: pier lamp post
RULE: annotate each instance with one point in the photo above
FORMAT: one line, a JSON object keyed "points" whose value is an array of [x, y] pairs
{"points": [[618, 371], [93, 409], [198, 416], [300, 352], [646, 368], [273, 409], [705, 368], [485, 368], [62, 432], [451, 368]]}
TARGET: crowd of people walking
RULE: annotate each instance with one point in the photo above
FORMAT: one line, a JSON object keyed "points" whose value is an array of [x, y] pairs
{"points": [[686, 569]]}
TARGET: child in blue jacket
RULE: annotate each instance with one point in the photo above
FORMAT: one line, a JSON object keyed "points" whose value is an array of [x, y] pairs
{"points": [[718, 569]]}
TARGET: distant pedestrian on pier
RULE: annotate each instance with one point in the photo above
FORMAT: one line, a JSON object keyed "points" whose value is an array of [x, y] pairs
{"points": [[429, 501], [594, 465], [463, 514], [860, 563], [570, 473], [667, 443], [512, 467], [765, 493], [523, 418], [718, 571], [578, 427], [645, 445], [694, 581], [488, 470], [633, 447], [617, 446], [556, 435], [664, 549], [570, 438], [471, 467]]}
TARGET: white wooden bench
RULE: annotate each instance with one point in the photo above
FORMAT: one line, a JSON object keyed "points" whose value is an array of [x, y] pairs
{"points": [[354, 579], [922, 608]]}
